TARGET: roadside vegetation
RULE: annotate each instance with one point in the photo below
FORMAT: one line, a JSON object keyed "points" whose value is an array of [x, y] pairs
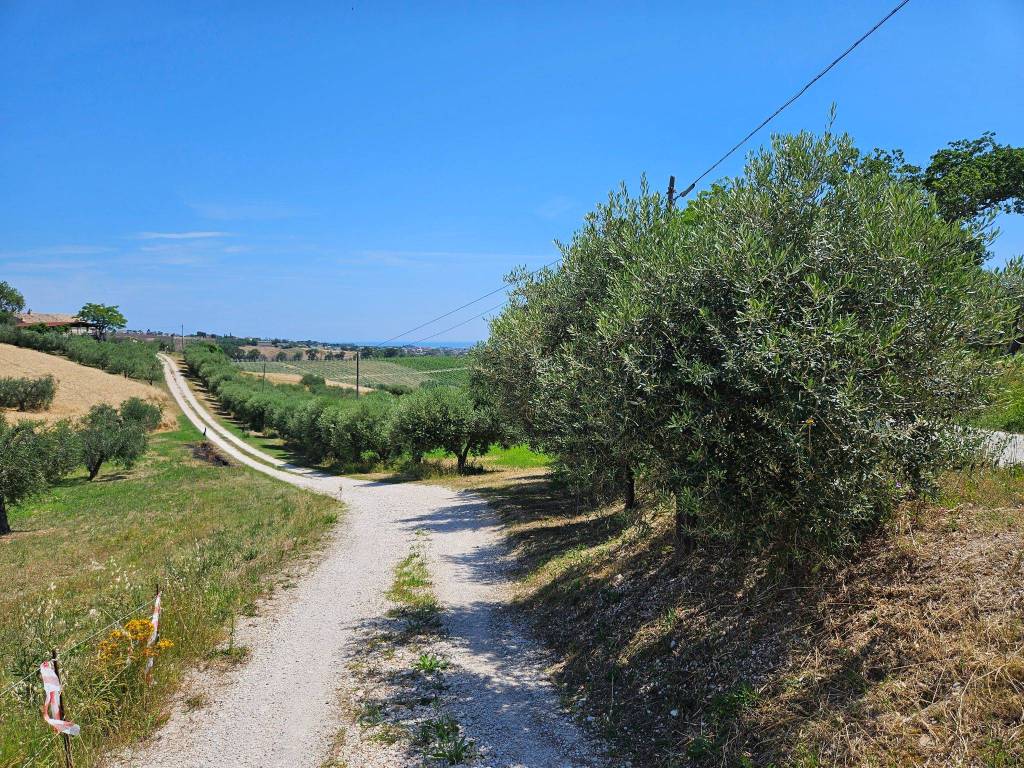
{"points": [[85, 553], [766, 541], [907, 653], [330, 424], [786, 360], [400, 701]]}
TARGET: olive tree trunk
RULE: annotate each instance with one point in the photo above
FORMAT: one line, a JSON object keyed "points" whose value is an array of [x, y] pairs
{"points": [[463, 455]]}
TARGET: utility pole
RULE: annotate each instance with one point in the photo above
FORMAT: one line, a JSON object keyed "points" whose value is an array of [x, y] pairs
{"points": [[183, 338], [671, 192], [357, 374], [264, 384]]}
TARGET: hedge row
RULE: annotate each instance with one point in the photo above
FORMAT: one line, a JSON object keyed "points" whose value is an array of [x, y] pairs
{"points": [[27, 394], [129, 358], [331, 423]]}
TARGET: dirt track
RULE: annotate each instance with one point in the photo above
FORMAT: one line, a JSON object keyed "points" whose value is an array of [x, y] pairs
{"points": [[282, 707]]}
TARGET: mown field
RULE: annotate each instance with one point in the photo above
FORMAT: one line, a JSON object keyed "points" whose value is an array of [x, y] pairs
{"points": [[78, 387], [399, 371], [85, 554]]}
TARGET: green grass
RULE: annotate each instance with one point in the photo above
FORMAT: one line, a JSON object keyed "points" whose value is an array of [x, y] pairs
{"points": [[429, 363], [514, 457], [441, 739], [87, 553], [411, 586], [1007, 410], [517, 457]]}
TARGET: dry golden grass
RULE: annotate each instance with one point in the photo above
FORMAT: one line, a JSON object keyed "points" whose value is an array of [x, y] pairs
{"points": [[78, 387], [910, 654]]}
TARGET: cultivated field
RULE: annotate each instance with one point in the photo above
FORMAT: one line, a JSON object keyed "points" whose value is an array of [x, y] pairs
{"points": [[295, 378], [78, 387], [403, 371]]}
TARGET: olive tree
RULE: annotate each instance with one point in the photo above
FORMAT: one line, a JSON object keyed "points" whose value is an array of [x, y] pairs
{"points": [[27, 394], [787, 358], [106, 435], [32, 457], [146, 414], [555, 377], [446, 418]]}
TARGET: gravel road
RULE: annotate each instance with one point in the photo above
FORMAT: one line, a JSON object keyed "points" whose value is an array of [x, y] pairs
{"points": [[282, 708]]}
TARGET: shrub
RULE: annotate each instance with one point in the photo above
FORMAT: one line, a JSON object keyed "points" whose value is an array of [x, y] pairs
{"points": [[32, 457], [27, 394], [789, 357], [144, 413], [312, 381], [106, 435]]}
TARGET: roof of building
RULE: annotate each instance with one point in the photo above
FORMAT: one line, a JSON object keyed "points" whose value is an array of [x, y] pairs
{"points": [[48, 318]]}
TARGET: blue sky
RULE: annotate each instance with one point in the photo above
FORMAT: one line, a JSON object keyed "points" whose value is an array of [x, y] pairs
{"points": [[345, 171]]}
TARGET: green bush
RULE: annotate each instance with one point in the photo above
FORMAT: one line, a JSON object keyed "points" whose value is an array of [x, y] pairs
{"points": [[312, 381], [789, 357], [445, 418], [32, 457], [144, 413], [27, 394], [106, 435]]}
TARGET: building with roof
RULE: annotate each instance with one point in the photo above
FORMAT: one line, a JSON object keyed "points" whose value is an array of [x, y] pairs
{"points": [[70, 323]]}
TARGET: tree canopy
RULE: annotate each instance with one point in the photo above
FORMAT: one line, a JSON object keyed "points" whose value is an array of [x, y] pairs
{"points": [[784, 358], [970, 178], [103, 316], [11, 301]]}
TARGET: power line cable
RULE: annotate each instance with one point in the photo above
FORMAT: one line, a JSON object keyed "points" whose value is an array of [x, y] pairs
{"points": [[678, 195], [458, 309], [459, 325], [793, 98]]}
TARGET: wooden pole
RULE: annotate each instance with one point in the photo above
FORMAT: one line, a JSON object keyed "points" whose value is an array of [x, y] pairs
{"points": [[671, 193], [62, 714], [357, 374]]}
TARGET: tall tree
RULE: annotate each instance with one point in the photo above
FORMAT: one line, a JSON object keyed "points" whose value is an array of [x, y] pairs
{"points": [[787, 358], [11, 301], [970, 179], [103, 316]]}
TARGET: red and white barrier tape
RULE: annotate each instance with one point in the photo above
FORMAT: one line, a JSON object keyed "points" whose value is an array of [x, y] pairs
{"points": [[51, 702], [154, 633]]}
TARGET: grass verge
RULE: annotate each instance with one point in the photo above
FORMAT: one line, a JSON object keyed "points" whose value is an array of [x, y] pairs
{"points": [[911, 654], [86, 553]]}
